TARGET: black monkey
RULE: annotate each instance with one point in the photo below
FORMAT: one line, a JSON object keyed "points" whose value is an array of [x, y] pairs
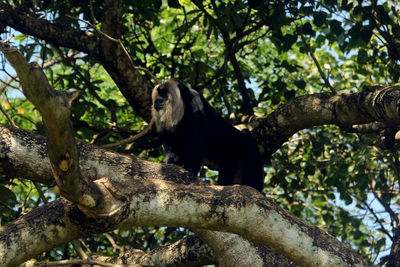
{"points": [[193, 131]]}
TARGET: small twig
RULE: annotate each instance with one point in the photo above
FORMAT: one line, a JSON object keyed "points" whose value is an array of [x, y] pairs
{"points": [[8, 117], [6, 41], [148, 72], [91, 12], [321, 72], [5, 205], [113, 243], [41, 194], [96, 137], [77, 246], [132, 138], [121, 45], [387, 207], [383, 229]]}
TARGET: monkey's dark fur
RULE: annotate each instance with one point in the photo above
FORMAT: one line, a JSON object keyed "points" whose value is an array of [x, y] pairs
{"points": [[193, 131]]}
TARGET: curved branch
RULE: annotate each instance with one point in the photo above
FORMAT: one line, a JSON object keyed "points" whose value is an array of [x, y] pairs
{"points": [[56, 34], [40, 230], [231, 249], [23, 154], [321, 72], [234, 209], [113, 56], [377, 104]]}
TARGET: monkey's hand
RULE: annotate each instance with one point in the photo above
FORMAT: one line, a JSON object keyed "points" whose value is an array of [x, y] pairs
{"points": [[172, 158]]}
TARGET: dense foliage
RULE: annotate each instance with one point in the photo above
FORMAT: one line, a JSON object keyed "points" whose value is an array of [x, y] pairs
{"points": [[246, 58]]}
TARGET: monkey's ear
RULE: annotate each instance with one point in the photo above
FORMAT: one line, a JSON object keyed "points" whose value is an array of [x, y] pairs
{"points": [[197, 103]]}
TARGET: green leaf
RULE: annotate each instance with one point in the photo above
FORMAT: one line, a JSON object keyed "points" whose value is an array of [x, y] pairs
{"points": [[289, 94], [300, 84], [307, 29], [174, 4], [288, 41], [383, 15], [336, 27], [362, 56], [319, 18], [6, 195]]}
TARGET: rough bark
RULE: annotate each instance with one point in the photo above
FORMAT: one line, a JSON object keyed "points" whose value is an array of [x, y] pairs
{"points": [[54, 106], [97, 199], [237, 209], [189, 251], [271, 132], [56, 34], [394, 256], [377, 104], [23, 154], [234, 250], [109, 203], [39, 231]]}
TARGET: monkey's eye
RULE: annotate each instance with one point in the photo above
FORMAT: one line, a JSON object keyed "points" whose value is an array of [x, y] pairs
{"points": [[162, 92], [158, 103]]}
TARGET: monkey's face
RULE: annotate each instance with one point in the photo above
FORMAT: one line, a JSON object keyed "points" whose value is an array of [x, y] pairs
{"points": [[168, 106], [160, 96]]}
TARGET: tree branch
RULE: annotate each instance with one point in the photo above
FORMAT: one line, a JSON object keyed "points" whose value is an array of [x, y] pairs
{"points": [[321, 72], [231, 249], [56, 34], [54, 107], [150, 202], [24, 155], [113, 56], [377, 104]]}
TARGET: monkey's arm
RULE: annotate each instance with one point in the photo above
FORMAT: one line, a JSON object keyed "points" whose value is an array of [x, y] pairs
{"points": [[194, 151], [186, 147]]}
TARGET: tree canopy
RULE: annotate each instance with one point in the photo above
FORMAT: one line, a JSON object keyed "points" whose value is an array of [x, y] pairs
{"points": [[315, 82]]}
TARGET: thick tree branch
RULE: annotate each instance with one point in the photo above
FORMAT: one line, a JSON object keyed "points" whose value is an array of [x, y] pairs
{"points": [[231, 249], [113, 18], [41, 230], [377, 104], [373, 127], [118, 63], [54, 107], [23, 154], [56, 34], [152, 202], [394, 256]]}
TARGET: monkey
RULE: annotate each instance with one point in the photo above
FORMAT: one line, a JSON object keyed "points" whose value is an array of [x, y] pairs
{"points": [[193, 132]]}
